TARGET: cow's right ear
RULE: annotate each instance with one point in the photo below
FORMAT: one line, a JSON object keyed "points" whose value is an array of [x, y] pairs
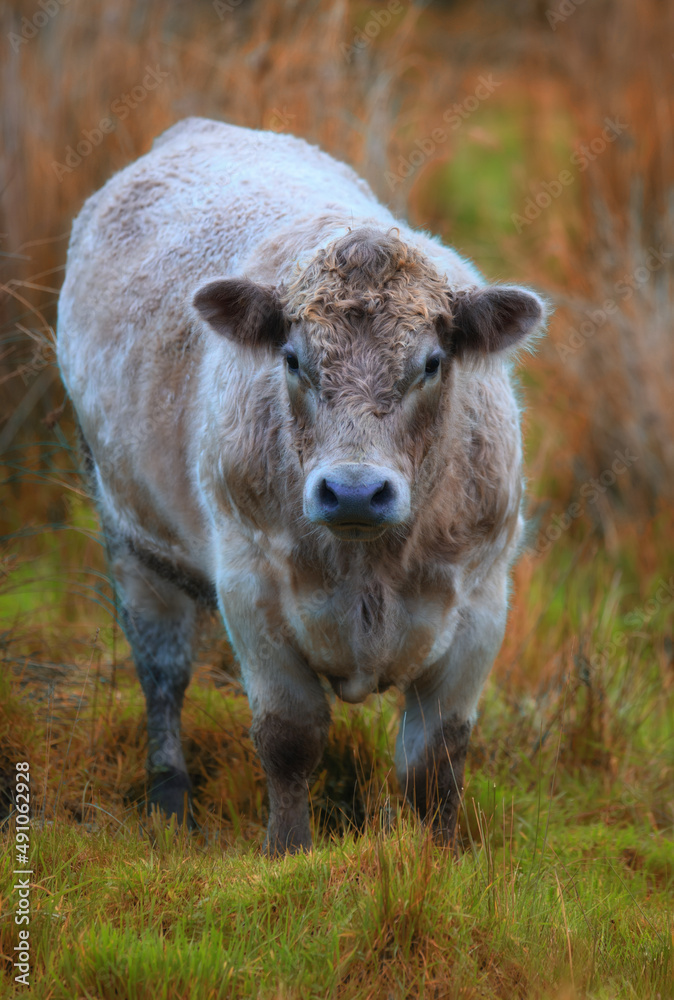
{"points": [[243, 311]]}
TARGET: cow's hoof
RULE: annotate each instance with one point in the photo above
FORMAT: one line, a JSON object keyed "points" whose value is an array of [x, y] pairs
{"points": [[276, 846], [171, 794]]}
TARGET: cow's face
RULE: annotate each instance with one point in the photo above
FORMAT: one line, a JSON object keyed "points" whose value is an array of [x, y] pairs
{"points": [[368, 337], [365, 394]]}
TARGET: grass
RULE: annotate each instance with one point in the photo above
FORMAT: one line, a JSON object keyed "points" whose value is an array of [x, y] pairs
{"points": [[369, 917]]}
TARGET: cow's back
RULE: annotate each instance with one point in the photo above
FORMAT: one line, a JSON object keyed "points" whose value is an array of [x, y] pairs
{"points": [[198, 204]]}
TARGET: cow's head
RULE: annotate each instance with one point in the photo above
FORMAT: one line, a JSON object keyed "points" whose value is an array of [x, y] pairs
{"points": [[368, 336]]}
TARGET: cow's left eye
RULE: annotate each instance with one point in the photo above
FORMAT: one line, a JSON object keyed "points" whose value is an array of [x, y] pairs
{"points": [[292, 361], [432, 365]]}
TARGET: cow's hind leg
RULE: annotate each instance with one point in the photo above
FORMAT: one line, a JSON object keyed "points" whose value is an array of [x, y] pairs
{"points": [[159, 621]]}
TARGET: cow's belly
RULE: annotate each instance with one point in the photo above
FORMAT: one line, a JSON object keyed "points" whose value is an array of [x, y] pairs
{"points": [[360, 653]]}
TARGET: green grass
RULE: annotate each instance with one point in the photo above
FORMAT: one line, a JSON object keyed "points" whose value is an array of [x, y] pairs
{"points": [[381, 915]]}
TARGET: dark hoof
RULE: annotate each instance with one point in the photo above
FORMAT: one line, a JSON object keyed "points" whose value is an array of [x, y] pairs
{"points": [[276, 846], [171, 794]]}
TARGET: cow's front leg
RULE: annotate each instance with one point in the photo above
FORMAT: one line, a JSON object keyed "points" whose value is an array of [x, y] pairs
{"points": [[290, 742], [290, 711], [440, 708]]}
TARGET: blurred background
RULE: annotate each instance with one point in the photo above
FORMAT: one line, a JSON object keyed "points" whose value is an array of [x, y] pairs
{"points": [[534, 136]]}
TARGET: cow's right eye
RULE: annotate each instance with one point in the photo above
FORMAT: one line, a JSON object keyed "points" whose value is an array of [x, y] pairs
{"points": [[292, 361]]}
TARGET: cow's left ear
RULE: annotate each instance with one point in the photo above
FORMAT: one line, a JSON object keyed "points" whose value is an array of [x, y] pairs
{"points": [[491, 319], [243, 311]]}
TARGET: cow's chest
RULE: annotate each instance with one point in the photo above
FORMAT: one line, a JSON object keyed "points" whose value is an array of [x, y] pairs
{"points": [[367, 637]]}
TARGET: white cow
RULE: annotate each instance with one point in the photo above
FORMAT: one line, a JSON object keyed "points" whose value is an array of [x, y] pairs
{"points": [[298, 408]]}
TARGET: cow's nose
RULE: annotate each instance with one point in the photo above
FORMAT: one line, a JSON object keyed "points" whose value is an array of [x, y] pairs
{"points": [[355, 500], [369, 502]]}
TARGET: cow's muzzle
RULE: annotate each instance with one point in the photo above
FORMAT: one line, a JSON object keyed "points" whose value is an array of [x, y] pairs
{"points": [[357, 502]]}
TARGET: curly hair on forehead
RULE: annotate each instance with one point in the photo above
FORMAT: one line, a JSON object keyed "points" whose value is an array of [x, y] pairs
{"points": [[366, 272], [363, 300]]}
